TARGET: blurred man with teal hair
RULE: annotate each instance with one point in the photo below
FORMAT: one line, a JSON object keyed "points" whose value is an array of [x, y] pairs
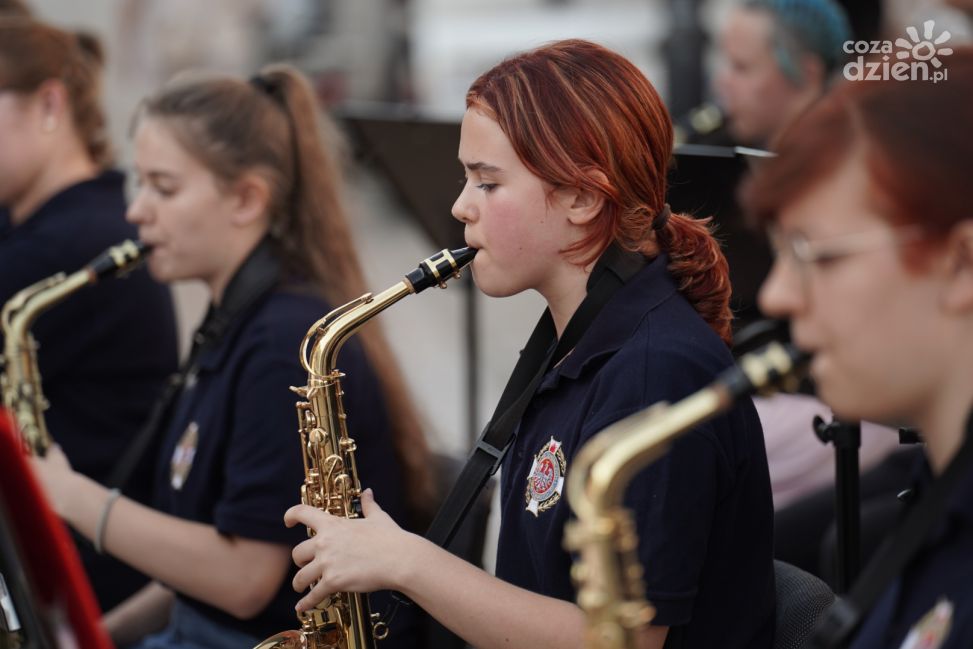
{"points": [[778, 56]]}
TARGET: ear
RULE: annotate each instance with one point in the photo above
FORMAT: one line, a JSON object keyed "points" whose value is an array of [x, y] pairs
{"points": [[52, 100], [958, 295], [812, 72], [253, 199], [582, 204]]}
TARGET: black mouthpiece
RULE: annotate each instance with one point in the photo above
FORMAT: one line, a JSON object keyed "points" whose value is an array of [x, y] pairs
{"points": [[119, 259], [767, 368], [436, 270]]}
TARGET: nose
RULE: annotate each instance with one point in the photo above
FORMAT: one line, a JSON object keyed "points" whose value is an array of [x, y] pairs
{"points": [[783, 293], [138, 212], [463, 209]]}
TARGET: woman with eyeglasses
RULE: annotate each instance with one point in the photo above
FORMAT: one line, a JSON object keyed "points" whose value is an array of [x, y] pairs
{"points": [[870, 207]]}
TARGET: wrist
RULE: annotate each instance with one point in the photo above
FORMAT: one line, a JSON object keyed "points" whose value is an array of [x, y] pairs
{"points": [[411, 559]]}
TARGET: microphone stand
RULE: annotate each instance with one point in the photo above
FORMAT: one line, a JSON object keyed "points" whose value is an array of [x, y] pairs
{"points": [[846, 437]]}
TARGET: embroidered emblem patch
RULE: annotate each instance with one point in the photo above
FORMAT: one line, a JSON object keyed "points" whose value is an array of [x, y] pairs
{"points": [[932, 630], [546, 478], [182, 456]]}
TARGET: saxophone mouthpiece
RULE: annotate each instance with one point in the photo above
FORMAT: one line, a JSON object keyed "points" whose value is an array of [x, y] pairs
{"points": [[436, 270], [118, 260]]}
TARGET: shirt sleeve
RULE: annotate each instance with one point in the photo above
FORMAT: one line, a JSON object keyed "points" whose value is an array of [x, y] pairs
{"points": [[263, 469]]}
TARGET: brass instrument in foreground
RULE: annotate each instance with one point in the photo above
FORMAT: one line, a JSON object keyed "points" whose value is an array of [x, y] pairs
{"points": [[607, 572], [20, 379], [344, 620]]}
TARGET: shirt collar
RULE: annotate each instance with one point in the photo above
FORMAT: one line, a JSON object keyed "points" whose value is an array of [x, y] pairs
{"points": [[259, 273], [614, 326]]}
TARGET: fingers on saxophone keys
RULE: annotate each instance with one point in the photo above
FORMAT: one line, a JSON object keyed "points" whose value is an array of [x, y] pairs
{"points": [[303, 553], [310, 516], [313, 597]]}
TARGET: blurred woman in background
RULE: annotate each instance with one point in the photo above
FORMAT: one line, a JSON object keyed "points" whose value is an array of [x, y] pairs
{"points": [[106, 351]]}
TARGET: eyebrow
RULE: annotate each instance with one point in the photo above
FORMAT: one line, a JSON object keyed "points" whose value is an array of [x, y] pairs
{"points": [[481, 166]]}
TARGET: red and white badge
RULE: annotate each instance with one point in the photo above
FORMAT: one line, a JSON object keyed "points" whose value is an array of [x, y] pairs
{"points": [[546, 478], [932, 630]]}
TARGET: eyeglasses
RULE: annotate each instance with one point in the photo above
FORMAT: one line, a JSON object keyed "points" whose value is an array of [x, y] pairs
{"points": [[809, 255], [821, 252]]}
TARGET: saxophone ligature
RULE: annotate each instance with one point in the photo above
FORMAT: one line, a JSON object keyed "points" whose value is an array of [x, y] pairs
{"points": [[20, 379], [607, 571], [344, 620]]}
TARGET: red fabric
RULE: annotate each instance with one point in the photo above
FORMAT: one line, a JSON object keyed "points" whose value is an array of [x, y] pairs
{"points": [[52, 563]]}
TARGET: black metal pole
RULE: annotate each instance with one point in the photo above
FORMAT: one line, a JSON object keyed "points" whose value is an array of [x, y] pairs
{"points": [[846, 438]]}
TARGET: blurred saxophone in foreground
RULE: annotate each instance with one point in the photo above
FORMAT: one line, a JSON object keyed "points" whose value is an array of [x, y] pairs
{"points": [[20, 379], [344, 620], [608, 572]]}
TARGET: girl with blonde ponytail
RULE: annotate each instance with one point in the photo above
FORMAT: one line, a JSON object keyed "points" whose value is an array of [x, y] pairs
{"points": [[240, 188]]}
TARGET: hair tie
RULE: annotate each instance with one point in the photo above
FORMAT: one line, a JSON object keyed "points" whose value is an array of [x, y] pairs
{"points": [[266, 86], [662, 218]]}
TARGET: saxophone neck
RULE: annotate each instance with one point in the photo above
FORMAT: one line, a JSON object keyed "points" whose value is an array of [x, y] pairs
{"points": [[319, 350]]}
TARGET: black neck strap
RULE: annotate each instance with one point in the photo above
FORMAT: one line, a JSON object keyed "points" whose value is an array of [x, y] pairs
{"points": [[256, 277], [846, 613], [614, 268]]}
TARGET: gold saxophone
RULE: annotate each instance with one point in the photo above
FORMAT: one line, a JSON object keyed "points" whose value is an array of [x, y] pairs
{"points": [[607, 571], [20, 380], [344, 620]]}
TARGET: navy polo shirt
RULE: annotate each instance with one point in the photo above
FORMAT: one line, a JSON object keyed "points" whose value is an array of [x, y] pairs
{"points": [[105, 351], [231, 455], [933, 599], [703, 512]]}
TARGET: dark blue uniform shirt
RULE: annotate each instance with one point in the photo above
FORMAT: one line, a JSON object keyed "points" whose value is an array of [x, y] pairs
{"points": [[231, 455], [703, 512], [930, 606], [105, 351]]}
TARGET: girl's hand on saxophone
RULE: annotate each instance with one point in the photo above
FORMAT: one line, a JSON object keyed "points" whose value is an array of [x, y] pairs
{"points": [[57, 478], [358, 555]]}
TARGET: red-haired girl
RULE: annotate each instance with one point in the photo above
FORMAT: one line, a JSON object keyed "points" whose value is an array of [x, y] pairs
{"points": [[565, 150]]}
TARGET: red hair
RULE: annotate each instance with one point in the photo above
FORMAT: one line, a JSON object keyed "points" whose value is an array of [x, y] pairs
{"points": [[573, 109], [915, 150]]}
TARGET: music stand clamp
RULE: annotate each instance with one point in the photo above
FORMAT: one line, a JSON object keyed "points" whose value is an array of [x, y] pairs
{"points": [[846, 437]]}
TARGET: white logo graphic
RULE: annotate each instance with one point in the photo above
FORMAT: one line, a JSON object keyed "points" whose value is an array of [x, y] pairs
{"points": [[917, 58]]}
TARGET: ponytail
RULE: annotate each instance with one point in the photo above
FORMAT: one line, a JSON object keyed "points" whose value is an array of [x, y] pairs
{"points": [[700, 269], [318, 234]]}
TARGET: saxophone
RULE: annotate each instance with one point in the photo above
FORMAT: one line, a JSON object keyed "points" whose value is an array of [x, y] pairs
{"points": [[20, 380], [344, 620], [607, 571]]}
